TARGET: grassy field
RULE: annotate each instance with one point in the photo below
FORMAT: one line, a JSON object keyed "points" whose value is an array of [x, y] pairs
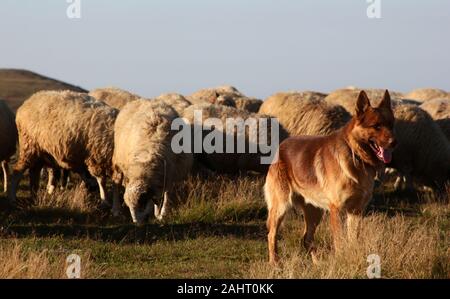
{"points": [[217, 230]]}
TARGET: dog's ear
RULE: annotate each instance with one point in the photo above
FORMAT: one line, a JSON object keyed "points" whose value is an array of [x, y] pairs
{"points": [[386, 102], [362, 103]]}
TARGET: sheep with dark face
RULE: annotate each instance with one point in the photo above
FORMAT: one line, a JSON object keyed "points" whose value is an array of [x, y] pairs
{"points": [[226, 96], [144, 161], [64, 129], [248, 104]]}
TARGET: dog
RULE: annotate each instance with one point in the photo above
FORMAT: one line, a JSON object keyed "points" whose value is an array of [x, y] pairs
{"points": [[332, 173]]}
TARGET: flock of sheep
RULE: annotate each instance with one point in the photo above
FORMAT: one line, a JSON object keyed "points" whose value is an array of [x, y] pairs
{"points": [[114, 134]]}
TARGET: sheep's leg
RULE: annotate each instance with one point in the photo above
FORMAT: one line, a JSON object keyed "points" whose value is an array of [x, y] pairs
{"points": [[157, 211], [398, 183], [102, 186], [35, 173], [5, 176], [117, 179], [408, 181], [51, 184], [12, 190], [160, 214], [22, 164], [64, 179], [116, 200]]}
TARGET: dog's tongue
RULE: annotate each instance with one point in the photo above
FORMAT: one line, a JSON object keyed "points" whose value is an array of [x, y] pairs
{"points": [[385, 155]]}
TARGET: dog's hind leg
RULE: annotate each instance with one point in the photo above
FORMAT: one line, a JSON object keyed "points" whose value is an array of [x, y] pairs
{"points": [[313, 216], [277, 192]]}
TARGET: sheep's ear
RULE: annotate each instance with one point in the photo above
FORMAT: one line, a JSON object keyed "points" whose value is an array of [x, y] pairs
{"points": [[386, 102], [362, 104]]}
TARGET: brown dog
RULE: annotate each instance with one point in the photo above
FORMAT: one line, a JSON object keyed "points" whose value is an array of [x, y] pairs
{"points": [[334, 173]]}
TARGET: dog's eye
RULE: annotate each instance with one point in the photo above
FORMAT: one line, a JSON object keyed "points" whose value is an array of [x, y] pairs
{"points": [[377, 127]]}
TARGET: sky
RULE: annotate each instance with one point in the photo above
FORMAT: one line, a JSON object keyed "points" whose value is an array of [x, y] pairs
{"points": [[260, 46]]}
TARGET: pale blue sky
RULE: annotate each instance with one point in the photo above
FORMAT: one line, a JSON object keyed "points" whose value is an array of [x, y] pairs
{"points": [[260, 46]]}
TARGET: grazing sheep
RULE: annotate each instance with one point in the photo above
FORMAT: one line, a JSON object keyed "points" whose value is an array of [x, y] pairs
{"points": [[224, 95], [248, 104], [439, 109], [423, 152], [174, 100], [426, 94], [143, 160], [235, 145], [305, 113], [64, 129], [114, 97], [8, 139], [347, 97]]}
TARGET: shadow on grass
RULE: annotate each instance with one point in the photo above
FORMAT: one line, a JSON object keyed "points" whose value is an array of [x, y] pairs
{"points": [[395, 203], [132, 234]]}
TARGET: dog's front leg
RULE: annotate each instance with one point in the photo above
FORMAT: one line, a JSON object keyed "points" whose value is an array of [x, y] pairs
{"points": [[336, 226], [355, 213]]}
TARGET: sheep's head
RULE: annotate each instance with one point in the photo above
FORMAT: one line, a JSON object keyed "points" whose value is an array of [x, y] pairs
{"points": [[225, 101], [138, 201]]}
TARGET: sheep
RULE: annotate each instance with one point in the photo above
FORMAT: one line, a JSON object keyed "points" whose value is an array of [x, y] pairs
{"points": [[64, 129], [305, 113], [222, 95], [439, 109], [114, 97], [175, 100], [143, 159], [236, 145], [8, 139], [423, 151], [248, 104], [347, 97], [426, 94]]}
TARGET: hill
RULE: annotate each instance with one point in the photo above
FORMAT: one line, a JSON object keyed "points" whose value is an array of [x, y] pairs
{"points": [[17, 85]]}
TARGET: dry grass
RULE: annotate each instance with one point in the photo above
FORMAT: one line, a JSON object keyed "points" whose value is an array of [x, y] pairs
{"points": [[17, 261], [407, 247], [220, 199], [76, 199], [217, 230]]}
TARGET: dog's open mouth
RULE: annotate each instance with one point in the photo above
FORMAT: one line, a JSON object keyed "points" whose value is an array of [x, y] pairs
{"points": [[384, 154]]}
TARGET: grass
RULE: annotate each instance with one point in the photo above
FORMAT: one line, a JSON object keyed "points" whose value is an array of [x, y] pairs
{"points": [[217, 230]]}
